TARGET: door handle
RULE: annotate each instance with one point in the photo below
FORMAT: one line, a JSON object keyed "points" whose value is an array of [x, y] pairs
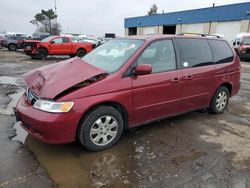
{"points": [[177, 79], [189, 77]]}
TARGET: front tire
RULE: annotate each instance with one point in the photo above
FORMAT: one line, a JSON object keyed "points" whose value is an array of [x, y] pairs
{"points": [[101, 128], [220, 100], [42, 53], [12, 47]]}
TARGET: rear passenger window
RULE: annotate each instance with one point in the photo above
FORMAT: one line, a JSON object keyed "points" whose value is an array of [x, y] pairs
{"points": [[221, 51], [194, 52], [160, 55], [65, 40]]}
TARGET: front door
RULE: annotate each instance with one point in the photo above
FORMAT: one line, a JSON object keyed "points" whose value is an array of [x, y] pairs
{"points": [[157, 94], [57, 46]]}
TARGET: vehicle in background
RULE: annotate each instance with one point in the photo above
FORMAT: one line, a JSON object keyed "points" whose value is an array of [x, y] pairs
{"points": [[90, 39], [106, 39], [127, 82], [100, 41], [242, 46], [14, 42], [56, 45], [40, 36], [2, 37], [16, 34], [110, 35]]}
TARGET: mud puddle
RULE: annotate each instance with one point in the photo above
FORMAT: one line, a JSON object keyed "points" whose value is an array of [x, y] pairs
{"points": [[11, 90], [190, 150]]}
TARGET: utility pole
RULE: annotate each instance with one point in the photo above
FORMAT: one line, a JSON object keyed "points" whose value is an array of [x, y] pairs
{"points": [[56, 17]]}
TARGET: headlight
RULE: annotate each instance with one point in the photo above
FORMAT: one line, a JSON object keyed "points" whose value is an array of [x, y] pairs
{"points": [[50, 106]]}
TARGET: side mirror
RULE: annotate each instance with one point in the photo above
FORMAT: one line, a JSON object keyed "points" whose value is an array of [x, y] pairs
{"points": [[52, 42], [142, 69]]}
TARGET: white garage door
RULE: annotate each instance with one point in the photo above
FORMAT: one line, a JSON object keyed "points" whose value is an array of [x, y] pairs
{"points": [[195, 28], [228, 29], [148, 30]]}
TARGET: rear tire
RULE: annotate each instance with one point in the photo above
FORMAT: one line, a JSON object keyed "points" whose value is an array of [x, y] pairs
{"points": [[101, 128], [80, 53], [42, 53], [220, 100], [12, 47]]}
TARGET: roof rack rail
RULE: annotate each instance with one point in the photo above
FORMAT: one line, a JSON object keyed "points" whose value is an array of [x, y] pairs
{"points": [[200, 34]]}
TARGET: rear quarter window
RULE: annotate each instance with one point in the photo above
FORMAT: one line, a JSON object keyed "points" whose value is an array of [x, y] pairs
{"points": [[194, 52], [221, 51]]}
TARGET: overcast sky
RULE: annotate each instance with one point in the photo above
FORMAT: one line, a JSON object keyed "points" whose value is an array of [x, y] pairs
{"points": [[90, 17]]}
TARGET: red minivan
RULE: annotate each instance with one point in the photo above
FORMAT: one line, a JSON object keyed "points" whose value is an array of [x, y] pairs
{"points": [[124, 83]]}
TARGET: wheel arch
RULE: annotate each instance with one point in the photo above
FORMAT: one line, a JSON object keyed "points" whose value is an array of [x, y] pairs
{"points": [[81, 48], [44, 48], [12, 44], [113, 104], [227, 85]]}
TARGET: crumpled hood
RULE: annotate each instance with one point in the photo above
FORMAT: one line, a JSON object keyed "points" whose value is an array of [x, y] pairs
{"points": [[51, 80], [32, 41]]}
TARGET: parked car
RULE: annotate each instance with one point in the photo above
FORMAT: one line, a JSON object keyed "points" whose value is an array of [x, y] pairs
{"points": [[85, 38], [17, 34], [56, 45], [14, 42], [40, 36], [242, 45], [124, 83], [1, 41]]}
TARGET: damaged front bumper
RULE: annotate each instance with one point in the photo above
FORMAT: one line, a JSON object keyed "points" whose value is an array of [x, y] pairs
{"points": [[53, 128]]}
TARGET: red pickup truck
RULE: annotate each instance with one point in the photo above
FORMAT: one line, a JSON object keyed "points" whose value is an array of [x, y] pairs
{"points": [[56, 45]]}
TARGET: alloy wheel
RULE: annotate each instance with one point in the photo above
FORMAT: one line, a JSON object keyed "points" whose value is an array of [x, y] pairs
{"points": [[104, 130], [221, 100]]}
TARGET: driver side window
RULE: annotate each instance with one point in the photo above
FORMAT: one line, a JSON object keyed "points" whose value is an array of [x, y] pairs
{"points": [[58, 40], [160, 55]]}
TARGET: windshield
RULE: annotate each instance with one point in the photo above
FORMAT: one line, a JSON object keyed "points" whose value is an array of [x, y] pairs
{"points": [[113, 54], [48, 39]]}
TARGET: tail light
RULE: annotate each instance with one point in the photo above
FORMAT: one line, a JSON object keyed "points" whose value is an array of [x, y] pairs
{"points": [[20, 41]]}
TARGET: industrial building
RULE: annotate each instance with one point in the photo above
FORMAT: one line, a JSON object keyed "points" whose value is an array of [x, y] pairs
{"points": [[228, 20]]}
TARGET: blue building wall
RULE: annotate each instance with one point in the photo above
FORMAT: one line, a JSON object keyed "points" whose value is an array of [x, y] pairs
{"points": [[213, 14]]}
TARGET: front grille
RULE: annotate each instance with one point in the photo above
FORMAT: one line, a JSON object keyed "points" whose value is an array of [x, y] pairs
{"points": [[28, 46], [31, 96]]}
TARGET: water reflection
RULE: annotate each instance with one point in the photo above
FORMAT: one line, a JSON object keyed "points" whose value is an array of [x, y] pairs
{"points": [[72, 166]]}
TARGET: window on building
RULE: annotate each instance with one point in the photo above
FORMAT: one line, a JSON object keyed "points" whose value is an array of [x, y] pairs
{"points": [[160, 55], [194, 52], [221, 51], [169, 29], [132, 31]]}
